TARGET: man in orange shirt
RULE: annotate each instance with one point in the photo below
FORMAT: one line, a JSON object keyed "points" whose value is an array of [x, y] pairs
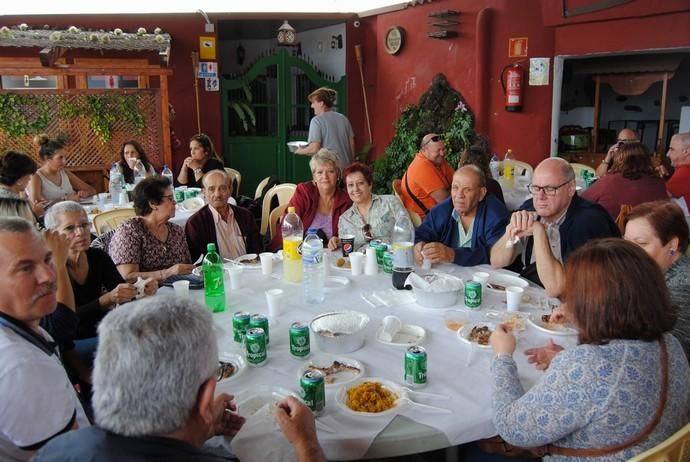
{"points": [[428, 178]]}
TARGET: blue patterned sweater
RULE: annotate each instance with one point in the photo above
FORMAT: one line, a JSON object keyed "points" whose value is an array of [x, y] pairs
{"points": [[593, 396]]}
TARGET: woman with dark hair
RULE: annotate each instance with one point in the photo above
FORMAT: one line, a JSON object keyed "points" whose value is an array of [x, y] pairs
{"points": [[476, 155], [16, 169], [661, 230], [52, 182], [631, 180], [133, 156], [624, 388], [329, 129], [202, 158], [149, 246], [371, 216]]}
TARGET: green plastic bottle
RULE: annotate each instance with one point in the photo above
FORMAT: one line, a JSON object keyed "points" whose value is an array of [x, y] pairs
{"points": [[214, 290]]}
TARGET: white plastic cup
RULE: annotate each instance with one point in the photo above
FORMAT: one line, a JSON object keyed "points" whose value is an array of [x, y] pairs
{"points": [[371, 266], [235, 275], [266, 263], [513, 296], [426, 264], [124, 199], [181, 289], [274, 299], [482, 278], [390, 325], [102, 199], [356, 263]]}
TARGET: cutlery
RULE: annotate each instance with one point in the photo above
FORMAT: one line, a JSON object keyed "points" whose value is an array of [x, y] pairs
{"points": [[425, 393]]}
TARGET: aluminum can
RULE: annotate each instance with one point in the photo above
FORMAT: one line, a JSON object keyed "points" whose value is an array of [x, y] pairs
{"points": [[388, 262], [259, 320], [179, 195], [299, 340], [381, 249], [313, 390], [415, 366], [240, 323], [255, 345], [473, 294]]}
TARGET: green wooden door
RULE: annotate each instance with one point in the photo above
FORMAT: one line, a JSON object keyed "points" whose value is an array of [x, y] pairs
{"points": [[263, 110]]}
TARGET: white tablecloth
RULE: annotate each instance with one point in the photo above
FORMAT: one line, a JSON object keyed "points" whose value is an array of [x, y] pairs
{"points": [[451, 370]]}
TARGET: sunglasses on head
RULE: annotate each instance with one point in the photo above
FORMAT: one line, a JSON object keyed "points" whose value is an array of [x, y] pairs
{"points": [[366, 230], [433, 139]]}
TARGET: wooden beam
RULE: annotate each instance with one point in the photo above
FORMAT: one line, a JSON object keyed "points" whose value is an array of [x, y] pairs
{"points": [[662, 117], [597, 108], [81, 70], [165, 122]]}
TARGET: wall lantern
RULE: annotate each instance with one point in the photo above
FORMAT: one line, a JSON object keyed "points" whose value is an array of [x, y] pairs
{"points": [[443, 24], [287, 35]]}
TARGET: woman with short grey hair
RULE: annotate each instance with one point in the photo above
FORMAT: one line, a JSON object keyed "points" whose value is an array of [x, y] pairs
{"points": [[320, 202], [90, 269]]}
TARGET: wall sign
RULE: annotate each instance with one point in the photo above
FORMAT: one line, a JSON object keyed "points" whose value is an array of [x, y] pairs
{"points": [[517, 47], [207, 48], [208, 70], [393, 40], [539, 71]]}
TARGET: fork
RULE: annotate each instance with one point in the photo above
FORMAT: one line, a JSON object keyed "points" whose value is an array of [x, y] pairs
{"points": [[425, 393]]}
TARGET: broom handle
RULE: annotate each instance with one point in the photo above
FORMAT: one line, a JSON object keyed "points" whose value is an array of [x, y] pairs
{"points": [[195, 68], [358, 55]]}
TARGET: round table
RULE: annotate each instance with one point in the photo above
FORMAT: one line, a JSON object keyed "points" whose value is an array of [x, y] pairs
{"points": [[455, 369]]}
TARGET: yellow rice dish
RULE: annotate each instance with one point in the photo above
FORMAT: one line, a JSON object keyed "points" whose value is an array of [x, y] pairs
{"points": [[370, 397]]}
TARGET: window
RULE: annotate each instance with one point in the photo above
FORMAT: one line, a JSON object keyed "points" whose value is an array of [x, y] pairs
{"points": [[26, 82]]}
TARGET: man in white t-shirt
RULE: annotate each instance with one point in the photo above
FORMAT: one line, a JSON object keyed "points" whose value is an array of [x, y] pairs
{"points": [[37, 400]]}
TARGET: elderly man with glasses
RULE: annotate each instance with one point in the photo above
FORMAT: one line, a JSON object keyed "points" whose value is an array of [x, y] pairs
{"points": [[551, 225], [428, 177]]}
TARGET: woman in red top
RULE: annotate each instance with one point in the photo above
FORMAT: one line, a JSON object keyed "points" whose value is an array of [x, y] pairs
{"points": [[630, 181]]}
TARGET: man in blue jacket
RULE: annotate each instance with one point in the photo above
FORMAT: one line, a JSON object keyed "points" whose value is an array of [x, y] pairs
{"points": [[462, 228]]}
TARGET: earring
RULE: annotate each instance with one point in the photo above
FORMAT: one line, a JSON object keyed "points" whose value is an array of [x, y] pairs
{"points": [[672, 252]]}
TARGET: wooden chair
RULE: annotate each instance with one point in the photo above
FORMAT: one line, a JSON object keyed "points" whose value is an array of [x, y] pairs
{"points": [[235, 180], [110, 219], [274, 219], [397, 187], [283, 192], [579, 168], [674, 449], [260, 187], [523, 168]]}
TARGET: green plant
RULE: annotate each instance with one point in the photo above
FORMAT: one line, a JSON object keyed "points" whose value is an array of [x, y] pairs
{"points": [[103, 110], [22, 114], [441, 110], [243, 109]]}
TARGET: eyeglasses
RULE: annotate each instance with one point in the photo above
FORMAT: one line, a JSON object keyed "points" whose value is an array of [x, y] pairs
{"points": [[71, 229], [548, 190], [169, 197], [433, 139]]}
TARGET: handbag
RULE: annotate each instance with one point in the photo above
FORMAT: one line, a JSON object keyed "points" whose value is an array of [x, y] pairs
{"points": [[496, 444]]}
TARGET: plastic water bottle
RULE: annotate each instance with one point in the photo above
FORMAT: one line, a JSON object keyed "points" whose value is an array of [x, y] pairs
{"points": [[139, 172], [403, 250], [167, 173], [495, 166], [115, 184], [292, 241], [214, 290], [312, 256], [509, 169]]}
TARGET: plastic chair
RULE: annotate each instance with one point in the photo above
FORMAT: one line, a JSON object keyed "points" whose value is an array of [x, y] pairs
{"points": [[274, 219], [579, 168], [109, 220], [674, 449], [523, 168], [283, 192], [397, 185], [260, 187], [235, 180]]}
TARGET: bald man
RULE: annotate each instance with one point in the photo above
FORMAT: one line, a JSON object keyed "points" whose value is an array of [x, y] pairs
{"points": [[428, 178], [624, 136], [551, 225], [463, 228], [678, 185]]}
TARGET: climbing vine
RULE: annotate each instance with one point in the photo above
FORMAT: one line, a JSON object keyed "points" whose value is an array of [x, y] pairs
{"points": [[102, 111], [22, 114]]}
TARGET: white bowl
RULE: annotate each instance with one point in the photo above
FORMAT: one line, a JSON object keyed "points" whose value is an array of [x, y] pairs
{"points": [[339, 332], [295, 145], [439, 299]]}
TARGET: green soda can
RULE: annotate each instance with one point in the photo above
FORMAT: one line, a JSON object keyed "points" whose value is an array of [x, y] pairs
{"points": [[299, 340], [388, 262], [259, 320], [240, 324], [381, 249], [313, 390], [415, 366], [473, 294], [255, 345], [179, 194]]}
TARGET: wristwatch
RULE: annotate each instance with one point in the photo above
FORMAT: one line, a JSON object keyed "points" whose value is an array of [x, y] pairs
{"points": [[197, 170]]}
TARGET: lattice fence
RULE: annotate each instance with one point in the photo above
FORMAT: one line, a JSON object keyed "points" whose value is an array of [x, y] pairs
{"points": [[84, 146]]}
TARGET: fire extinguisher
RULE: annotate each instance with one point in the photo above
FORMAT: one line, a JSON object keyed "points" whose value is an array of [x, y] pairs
{"points": [[511, 80]]}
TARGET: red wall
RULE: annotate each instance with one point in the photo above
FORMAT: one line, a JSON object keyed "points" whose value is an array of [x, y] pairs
{"points": [[185, 30], [401, 79]]}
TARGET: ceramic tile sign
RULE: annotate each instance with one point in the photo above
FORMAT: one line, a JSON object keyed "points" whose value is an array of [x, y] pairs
{"points": [[517, 47], [212, 84], [208, 70], [539, 71]]}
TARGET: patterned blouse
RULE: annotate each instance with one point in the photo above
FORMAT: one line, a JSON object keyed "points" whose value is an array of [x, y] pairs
{"points": [[593, 396], [382, 214], [678, 282], [133, 243]]}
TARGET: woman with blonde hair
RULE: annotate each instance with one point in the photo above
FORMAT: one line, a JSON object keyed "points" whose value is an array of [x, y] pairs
{"points": [[329, 129]]}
